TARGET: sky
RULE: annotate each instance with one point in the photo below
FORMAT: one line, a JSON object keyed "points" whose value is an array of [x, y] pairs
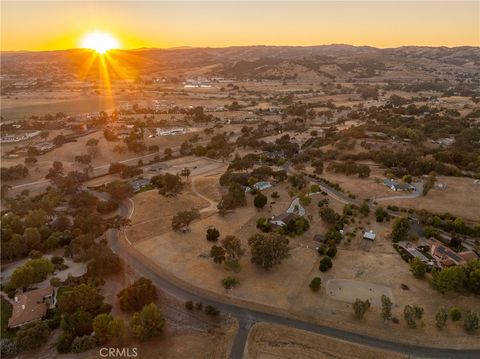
{"points": [[42, 25]]}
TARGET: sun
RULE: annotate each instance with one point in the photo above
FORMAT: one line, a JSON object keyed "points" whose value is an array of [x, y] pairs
{"points": [[99, 41]]}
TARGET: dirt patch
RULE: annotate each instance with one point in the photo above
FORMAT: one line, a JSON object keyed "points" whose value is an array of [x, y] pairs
{"points": [[349, 290], [267, 341]]}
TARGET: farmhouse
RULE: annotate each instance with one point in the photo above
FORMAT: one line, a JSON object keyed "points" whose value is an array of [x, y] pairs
{"points": [[446, 257], [32, 306], [282, 219], [395, 186], [171, 132]]}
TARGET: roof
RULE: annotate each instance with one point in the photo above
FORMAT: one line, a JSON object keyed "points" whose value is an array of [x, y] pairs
{"points": [[29, 306], [447, 256], [369, 235], [284, 217]]}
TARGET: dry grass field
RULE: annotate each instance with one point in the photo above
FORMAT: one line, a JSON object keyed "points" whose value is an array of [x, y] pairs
{"points": [[268, 341], [461, 198]]}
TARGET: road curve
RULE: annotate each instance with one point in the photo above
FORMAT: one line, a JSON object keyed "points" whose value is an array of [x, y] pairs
{"points": [[247, 317]]}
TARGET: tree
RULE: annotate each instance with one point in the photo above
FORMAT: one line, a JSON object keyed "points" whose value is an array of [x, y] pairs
{"points": [[448, 279], [185, 172], [118, 331], [233, 252], [412, 314], [364, 209], [167, 184], [268, 250], [328, 215], [212, 234], [260, 200], [315, 284], [333, 236], [22, 277], [101, 327], [332, 251], [235, 197], [81, 297], [168, 152], [83, 343], [386, 308], [137, 295], [33, 335], [471, 322], [400, 229], [441, 317], [78, 323], [360, 307], [218, 254], [472, 276], [418, 267], [119, 190], [147, 323], [325, 264], [182, 219]]}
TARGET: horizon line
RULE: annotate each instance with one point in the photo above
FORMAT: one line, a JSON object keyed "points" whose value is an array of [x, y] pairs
{"points": [[186, 47]]}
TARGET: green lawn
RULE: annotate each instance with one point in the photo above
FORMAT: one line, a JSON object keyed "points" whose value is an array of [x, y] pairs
{"points": [[6, 311]]}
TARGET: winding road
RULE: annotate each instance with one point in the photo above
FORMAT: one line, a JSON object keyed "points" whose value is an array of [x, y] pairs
{"points": [[247, 317]]}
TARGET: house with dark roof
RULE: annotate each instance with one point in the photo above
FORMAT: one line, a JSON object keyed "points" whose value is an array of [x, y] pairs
{"points": [[31, 306], [282, 219], [396, 186]]}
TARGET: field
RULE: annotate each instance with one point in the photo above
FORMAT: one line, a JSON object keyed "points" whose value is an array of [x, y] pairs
{"points": [[268, 341], [461, 197], [285, 287]]}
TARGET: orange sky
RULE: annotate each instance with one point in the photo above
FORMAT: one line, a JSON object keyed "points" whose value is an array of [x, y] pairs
{"points": [[41, 25]]}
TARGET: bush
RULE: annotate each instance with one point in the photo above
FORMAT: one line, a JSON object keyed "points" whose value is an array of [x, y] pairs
{"points": [[198, 306], [455, 314], [332, 251], [33, 336], [315, 284], [321, 250], [325, 264], [212, 234], [64, 344], [8, 347], [34, 254], [82, 344], [471, 322], [230, 282], [211, 310], [189, 305]]}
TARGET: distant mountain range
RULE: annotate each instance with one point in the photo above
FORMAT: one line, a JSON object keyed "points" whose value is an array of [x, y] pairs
{"points": [[309, 63]]}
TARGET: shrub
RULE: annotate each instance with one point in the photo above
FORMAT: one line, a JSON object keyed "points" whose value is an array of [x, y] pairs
{"points": [[211, 310], [212, 234], [321, 250], [471, 322], [455, 314], [315, 284], [230, 282], [325, 264], [189, 305], [82, 344], [198, 306], [8, 347]]}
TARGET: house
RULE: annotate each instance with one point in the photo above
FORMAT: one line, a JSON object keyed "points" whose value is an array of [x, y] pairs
{"points": [[44, 146], [395, 186], [282, 219], [446, 257], [370, 235], [170, 132], [259, 186], [31, 306]]}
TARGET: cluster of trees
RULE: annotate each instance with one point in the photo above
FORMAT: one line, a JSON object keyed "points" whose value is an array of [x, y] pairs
{"points": [[34, 271], [458, 278], [182, 220], [137, 295], [229, 253], [167, 184], [13, 173], [235, 197], [349, 168], [124, 170]]}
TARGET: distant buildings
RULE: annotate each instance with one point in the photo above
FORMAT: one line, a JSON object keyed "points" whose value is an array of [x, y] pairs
{"points": [[19, 137], [259, 186]]}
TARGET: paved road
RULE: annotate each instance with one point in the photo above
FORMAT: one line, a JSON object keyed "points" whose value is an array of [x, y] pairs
{"points": [[248, 317]]}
